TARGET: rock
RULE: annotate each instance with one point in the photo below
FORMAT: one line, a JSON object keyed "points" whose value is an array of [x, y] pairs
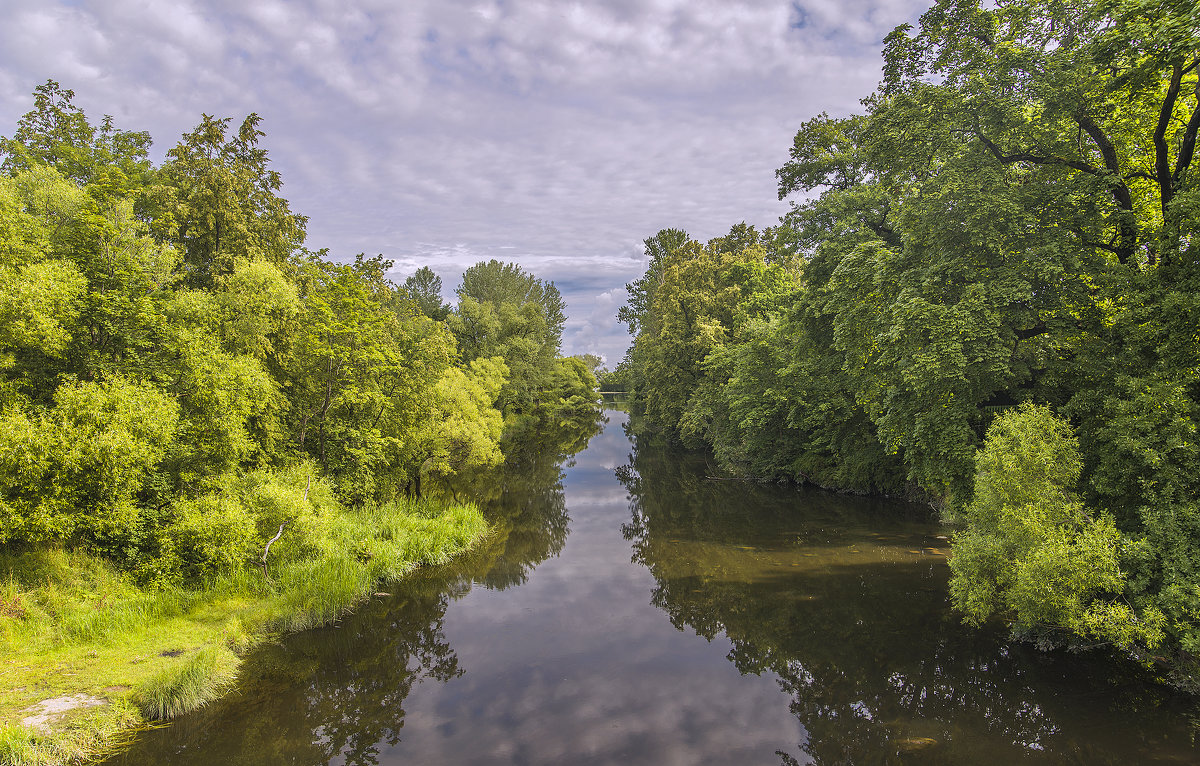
{"points": [[49, 711]]}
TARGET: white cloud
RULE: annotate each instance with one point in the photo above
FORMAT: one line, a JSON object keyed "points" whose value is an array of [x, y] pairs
{"points": [[440, 132]]}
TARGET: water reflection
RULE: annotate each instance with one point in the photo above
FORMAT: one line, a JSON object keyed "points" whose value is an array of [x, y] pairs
{"points": [[670, 618], [844, 601], [336, 695], [525, 505]]}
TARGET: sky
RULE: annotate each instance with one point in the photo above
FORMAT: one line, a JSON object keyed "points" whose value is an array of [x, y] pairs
{"points": [[555, 135]]}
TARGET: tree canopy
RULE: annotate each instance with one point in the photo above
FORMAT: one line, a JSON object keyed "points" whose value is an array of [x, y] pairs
{"points": [[1010, 222], [177, 369]]}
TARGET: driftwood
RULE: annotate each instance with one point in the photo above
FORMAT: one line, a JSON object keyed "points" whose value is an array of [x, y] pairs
{"points": [[279, 534]]}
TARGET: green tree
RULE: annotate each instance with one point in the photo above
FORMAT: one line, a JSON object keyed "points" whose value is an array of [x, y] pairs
{"points": [[462, 430], [425, 288], [56, 133], [223, 207], [72, 472], [505, 312], [637, 308], [497, 283]]}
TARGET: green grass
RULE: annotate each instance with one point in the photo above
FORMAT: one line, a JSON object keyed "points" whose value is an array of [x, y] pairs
{"points": [[71, 624], [90, 735], [182, 688]]}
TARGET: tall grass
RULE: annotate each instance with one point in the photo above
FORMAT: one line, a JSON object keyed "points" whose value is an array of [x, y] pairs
{"points": [[376, 543], [182, 688], [126, 615], [79, 610]]}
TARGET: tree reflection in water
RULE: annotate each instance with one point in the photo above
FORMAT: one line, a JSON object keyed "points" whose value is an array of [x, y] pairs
{"points": [[337, 694], [844, 601]]}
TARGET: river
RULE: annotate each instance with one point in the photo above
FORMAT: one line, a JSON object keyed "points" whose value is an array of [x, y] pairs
{"points": [[633, 609]]}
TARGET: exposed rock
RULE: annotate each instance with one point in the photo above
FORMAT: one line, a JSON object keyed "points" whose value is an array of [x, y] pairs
{"points": [[48, 711]]}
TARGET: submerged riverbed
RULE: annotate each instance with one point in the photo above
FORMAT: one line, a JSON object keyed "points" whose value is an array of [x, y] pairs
{"points": [[631, 609]]}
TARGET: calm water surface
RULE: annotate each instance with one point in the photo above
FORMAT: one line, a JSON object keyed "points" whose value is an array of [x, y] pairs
{"points": [[630, 609]]}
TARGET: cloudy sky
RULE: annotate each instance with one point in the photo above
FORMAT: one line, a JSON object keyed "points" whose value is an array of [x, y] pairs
{"points": [[555, 134]]}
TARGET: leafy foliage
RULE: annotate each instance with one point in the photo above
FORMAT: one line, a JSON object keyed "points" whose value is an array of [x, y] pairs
{"points": [[505, 313], [1012, 221], [182, 382]]}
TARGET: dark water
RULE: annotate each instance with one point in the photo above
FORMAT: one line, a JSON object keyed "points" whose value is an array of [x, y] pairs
{"points": [[631, 610]]}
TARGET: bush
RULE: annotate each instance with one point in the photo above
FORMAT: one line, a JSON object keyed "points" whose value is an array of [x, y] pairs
{"points": [[1029, 548], [229, 528]]}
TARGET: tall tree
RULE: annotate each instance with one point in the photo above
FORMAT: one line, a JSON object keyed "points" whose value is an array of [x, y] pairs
{"points": [[504, 311], [57, 133], [225, 206], [424, 287]]}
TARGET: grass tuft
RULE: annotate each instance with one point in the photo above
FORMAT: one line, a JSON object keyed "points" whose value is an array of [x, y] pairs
{"points": [[183, 688], [17, 745], [88, 736]]}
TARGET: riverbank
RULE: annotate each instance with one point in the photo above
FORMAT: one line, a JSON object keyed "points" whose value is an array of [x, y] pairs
{"points": [[88, 656]]}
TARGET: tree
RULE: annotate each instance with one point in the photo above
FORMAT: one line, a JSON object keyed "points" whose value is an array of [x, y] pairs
{"points": [[508, 313], [57, 134], [497, 283], [637, 308], [1029, 548], [224, 205], [425, 288], [360, 375], [1086, 115], [462, 431], [72, 473], [593, 363]]}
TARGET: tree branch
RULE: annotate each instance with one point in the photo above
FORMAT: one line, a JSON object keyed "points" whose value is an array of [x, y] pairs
{"points": [[1110, 172], [1126, 224], [1032, 332], [1188, 147], [280, 533], [1037, 159], [1162, 157]]}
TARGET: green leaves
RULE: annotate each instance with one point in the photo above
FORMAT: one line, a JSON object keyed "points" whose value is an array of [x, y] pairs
{"points": [[506, 313], [1030, 549], [74, 471], [224, 202]]}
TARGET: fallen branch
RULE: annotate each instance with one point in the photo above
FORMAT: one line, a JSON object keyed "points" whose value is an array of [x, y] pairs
{"points": [[268, 549]]}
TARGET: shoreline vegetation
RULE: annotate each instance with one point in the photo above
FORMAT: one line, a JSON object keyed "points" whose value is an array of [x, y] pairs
{"points": [[111, 657], [210, 434], [985, 295]]}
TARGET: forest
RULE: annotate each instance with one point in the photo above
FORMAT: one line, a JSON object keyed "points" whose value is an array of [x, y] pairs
{"points": [[985, 296], [200, 416]]}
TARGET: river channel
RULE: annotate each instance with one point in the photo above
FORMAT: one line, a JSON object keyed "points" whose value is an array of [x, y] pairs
{"points": [[632, 609]]}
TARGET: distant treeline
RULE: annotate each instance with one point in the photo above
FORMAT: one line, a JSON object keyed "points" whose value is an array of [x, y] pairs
{"points": [[177, 371], [988, 296]]}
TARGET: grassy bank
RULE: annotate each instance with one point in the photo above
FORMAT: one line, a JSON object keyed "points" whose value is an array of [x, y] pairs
{"points": [[86, 656]]}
